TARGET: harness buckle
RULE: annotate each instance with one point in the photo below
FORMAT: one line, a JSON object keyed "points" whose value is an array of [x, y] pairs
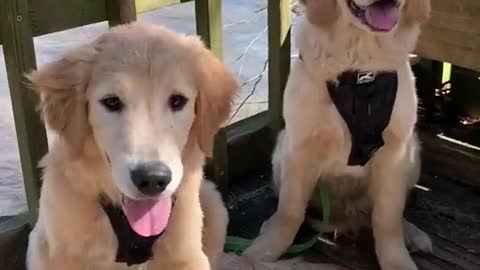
{"points": [[365, 77]]}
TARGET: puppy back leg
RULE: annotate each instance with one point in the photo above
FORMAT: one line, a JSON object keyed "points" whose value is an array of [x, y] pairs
{"points": [[298, 173], [215, 223]]}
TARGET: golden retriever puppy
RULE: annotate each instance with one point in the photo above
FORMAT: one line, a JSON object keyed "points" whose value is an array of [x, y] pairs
{"points": [[135, 112], [350, 109]]}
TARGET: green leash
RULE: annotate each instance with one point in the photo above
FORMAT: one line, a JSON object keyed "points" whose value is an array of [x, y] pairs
{"points": [[238, 245]]}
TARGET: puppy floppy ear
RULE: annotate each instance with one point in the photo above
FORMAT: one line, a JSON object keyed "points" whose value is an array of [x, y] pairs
{"points": [[321, 12], [216, 90], [417, 11], [62, 86]]}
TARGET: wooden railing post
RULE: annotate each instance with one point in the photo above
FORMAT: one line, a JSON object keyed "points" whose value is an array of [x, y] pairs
{"points": [[19, 54], [121, 12], [209, 26], [208, 17], [279, 23]]}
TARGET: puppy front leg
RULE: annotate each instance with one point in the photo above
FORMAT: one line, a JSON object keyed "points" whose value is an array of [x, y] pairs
{"points": [[41, 260], [42, 255], [298, 182], [193, 262], [388, 189], [184, 231], [215, 223]]}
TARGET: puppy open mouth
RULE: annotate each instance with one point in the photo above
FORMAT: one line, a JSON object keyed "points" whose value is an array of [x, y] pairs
{"points": [[148, 217], [380, 16]]}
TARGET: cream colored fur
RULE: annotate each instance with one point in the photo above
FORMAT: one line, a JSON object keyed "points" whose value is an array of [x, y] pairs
{"points": [[316, 142], [144, 65]]}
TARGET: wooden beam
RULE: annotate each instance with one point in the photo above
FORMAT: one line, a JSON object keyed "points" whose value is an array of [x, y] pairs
{"points": [[121, 12], [279, 23], [453, 33], [48, 16], [20, 58], [249, 146], [149, 5], [208, 15]]}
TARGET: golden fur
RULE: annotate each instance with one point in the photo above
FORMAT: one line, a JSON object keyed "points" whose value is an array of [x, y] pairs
{"points": [[144, 65], [316, 142]]}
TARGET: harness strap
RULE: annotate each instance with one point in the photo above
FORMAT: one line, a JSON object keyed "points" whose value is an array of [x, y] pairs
{"points": [[365, 101], [239, 244], [132, 248]]}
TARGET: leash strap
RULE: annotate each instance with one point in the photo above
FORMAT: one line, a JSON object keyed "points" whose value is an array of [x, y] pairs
{"points": [[238, 244]]}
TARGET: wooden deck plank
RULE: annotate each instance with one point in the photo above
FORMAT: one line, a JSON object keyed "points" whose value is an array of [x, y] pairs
{"points": [[448, 213]]}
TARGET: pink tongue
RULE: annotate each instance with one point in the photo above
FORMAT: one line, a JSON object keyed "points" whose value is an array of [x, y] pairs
{"points": [[148, 217], [382, 16]]}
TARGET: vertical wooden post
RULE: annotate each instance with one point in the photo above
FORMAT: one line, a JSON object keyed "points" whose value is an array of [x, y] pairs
{"points": [[19, 54], [209, 26], [121, 12], [208, 15], [279, 23]]}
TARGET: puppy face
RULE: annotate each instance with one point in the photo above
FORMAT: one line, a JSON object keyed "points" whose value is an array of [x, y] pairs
{"points": [[141, 110], [142, 93], [373, 16]]}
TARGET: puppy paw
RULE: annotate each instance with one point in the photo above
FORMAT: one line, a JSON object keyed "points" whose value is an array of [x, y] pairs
{"points": [[263, 250], [267, 224], [417, 240], [420, 242], [275, 237], [396, 261]]}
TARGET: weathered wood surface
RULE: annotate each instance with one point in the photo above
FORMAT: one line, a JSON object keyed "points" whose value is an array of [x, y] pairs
{"points": [[453, 33], [56, 15], [13, 242], [20, 58], [448, 212], [450, 159], [149, 5], [48, 16], [121, 12], [279, 22]]}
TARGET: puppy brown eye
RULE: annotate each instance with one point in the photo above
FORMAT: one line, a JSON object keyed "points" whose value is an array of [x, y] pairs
{"points": [[177, 102], [112, 103]]}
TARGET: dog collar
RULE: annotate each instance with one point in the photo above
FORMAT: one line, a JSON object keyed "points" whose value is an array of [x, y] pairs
{"points": [[132, 248], [365, 101]]}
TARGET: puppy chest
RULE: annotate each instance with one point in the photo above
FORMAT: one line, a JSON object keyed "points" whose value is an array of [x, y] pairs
{"points": [[365, 102]]}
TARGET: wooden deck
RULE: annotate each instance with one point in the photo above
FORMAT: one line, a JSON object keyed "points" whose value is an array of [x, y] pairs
{"points": [[448, 212]]}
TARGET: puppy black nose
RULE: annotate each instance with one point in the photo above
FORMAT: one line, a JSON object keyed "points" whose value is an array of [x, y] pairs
{"points": [[151, 178]]}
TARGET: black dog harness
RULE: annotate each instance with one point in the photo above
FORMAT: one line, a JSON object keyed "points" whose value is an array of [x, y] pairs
{"points": [[365, 101], [132, 248]]}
